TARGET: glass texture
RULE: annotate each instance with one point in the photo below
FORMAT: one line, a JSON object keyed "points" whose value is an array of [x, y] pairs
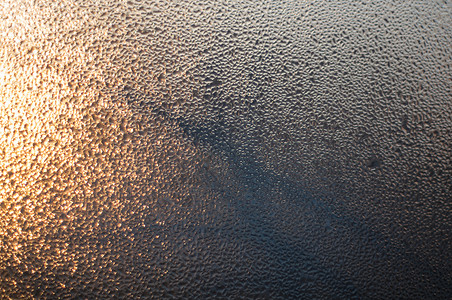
{"points": [[275, 149]]}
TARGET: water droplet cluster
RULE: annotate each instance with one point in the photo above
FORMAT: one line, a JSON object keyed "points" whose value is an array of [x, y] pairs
{"points": [[230, 149]]}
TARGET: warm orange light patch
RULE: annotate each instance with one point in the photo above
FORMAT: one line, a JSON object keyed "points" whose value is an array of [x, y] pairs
{"points": [[40, 110]]}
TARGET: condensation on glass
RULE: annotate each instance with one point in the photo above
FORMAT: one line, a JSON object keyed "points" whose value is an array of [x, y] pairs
{"points": [[225, 149]]}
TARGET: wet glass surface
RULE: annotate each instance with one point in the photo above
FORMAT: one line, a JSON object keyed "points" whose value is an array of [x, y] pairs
{"points": [[225, 149]]}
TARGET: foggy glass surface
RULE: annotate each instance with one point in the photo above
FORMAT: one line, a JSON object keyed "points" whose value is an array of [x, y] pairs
{"points": [[225, 149]]}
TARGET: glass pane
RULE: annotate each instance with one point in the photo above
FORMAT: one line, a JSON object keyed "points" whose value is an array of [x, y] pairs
{"points": [[225, 149]]}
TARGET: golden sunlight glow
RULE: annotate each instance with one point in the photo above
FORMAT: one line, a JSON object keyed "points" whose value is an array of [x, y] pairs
{"points": [[68, 152], [39, 113]]}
